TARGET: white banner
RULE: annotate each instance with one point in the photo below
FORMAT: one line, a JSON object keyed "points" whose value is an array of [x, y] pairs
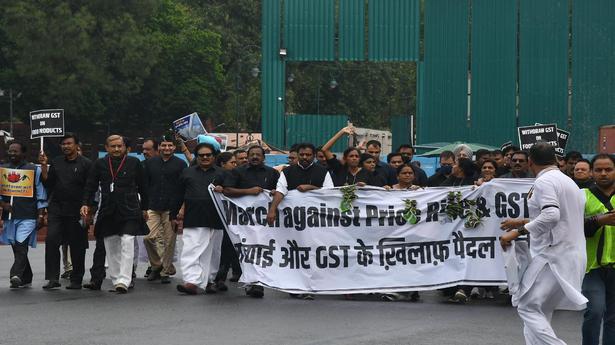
{"points": [[314, 247]]}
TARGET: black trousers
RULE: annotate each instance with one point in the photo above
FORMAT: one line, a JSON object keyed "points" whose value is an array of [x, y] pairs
{"points": [[97, 272], [228, 259], [21, 266], [65, 230]]}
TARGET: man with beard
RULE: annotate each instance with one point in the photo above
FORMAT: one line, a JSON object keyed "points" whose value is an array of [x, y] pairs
{"points": [[519, 166], [241, 156], [557, 258], [22, 216], [65, 180], [304, 176], [162, 173], [599, 281], [123, 208], [251, 179]]}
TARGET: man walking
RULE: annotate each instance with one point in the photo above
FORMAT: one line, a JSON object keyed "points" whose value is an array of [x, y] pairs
{"points": [[599, 282], [557, 259], [26, 214], [251, 179], [122, 208], [202, 238], [65, 180], [163, 173]]}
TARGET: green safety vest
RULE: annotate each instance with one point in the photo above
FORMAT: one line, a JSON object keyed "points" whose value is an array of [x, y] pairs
{"points": [[604, 237]]}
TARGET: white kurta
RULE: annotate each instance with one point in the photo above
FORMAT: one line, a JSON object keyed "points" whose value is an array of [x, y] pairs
{"points": [[556, 207]]}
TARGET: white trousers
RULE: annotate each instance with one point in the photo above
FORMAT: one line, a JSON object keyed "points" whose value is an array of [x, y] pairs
{"points": [[120, 253], [200, 256], [536, 309]]}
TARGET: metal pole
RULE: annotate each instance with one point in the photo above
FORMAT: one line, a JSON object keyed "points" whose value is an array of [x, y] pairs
{"points": [[11, 111], [318, 95], [237, 105]]}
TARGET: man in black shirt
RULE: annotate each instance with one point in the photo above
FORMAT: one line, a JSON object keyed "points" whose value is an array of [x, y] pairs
{"points": [[251, 179], [65, 179], [202, 238], [447, 160], [304, 176], [123, 208], [162, 174]]}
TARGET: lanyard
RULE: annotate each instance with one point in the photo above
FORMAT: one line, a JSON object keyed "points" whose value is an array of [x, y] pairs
{"points": [[114, 174]]}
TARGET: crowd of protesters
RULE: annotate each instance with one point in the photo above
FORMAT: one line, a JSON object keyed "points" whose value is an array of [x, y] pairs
{"points": [[123, 198]]}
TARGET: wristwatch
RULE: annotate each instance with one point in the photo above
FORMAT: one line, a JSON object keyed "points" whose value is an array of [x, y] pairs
{"points": [[522, 230]]}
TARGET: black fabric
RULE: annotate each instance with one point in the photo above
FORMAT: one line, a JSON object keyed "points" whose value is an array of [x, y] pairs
{"points": [[228, 259], [522, 175], [436, 180], [23, 208], [453, 181], [97, 272], [388, 174], [65, 230], [341, 176], [499, 171], [248, 176], [584, 184], [296, 175], [420, 176], [21, 266], [549, 206], [65, 183], [163, 181], [128, 199], [200, 210]]}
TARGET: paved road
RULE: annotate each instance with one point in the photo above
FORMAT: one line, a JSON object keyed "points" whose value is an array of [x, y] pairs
{"points": [[156, 314]]}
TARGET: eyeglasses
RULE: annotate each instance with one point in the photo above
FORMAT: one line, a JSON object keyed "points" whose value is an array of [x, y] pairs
{"points": [[518, 160], [205, 155]]}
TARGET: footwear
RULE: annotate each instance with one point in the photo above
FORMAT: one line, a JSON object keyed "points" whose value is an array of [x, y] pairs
{"points": [[74, 286], [121, 289], [15, 282], [148, 271], [132, 283], [165, 280], [153, 275], [489, 295], [220, 286], [211, 288], [188, 289], [477, 293], [66, 274], [255, 291], [307, 296], [415, 297], [459, 297], [52, 284], [235, 277], [391, 297], [93, 285]]}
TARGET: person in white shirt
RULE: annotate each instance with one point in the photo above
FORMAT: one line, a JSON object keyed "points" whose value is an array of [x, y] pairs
{"points": [[557, 260]]}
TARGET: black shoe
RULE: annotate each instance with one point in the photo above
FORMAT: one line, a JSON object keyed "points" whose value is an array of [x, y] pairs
{"points": [[211, 288], [15, 282], [74, 286], [255, 291], [66, 274], [153, 275], [221, 286], [93, 285], [235, 277], [165, 280], [132, 284], [148, 271], [52, 284], [415, 297]]}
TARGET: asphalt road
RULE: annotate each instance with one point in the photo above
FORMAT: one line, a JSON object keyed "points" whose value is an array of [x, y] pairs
{"points": [[156, 314]]}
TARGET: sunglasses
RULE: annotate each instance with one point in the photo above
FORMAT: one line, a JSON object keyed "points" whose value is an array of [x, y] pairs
{"points": [[205, 155], [518, 160]]}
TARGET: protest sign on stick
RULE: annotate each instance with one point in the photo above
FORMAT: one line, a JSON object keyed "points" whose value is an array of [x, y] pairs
{"points": [[189, 126], [16, 183], [530, 135], [46, 123]]}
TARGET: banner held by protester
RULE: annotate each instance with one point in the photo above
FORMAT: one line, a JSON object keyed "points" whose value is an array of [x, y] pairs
{"points": [[314, 247]]}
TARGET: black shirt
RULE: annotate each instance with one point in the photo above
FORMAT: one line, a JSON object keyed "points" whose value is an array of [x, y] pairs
{"points": [[436, 179], [163, 181], [200, 210], [248, 176], [65, 182], [313, 175], [341, 176], [453, 181]]}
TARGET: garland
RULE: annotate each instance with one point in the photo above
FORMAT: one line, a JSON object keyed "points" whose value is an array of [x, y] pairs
{"points": [[348, 197], [410, 211], [454, 209]]}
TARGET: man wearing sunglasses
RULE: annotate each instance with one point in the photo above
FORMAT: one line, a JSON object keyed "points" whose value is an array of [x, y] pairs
{"points": [[162, 172], [203, 229], [519, 167]]}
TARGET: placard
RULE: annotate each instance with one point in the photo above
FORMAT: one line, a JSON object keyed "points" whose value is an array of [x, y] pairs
{"points": [[47, 123], [17, 182], [189, 126], [530, 135]]}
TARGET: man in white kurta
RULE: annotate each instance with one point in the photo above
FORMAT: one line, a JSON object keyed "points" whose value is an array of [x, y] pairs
{"points": [[557, 260]]}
